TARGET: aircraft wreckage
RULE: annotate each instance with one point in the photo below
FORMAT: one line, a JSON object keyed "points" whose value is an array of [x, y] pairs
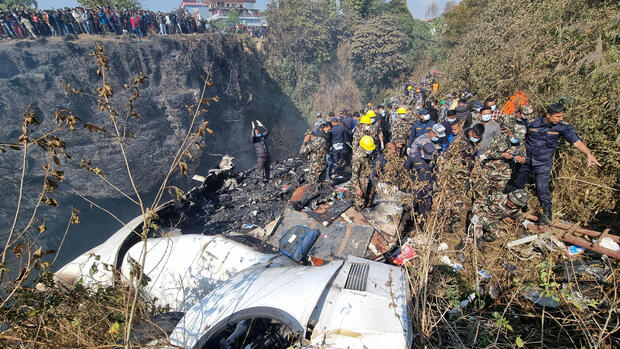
{"points": [[239, 263]]}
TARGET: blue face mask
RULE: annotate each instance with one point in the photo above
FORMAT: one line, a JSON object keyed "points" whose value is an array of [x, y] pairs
{"points": [[474, 139], [514, 140], [426, 117], [372, 120], [485, 117], [434, 139], [259, 135]]}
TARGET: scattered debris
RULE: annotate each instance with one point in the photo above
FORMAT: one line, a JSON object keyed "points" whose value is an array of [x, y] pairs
{"points": [[404, 254], [522, 241], [484, 274], [574, 250], [536, 295]]}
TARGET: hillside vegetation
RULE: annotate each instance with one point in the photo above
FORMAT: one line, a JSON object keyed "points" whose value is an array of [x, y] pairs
{"points": [[556, 50], [332, 57]]}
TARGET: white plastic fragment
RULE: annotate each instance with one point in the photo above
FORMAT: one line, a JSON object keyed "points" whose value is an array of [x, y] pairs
{"points": [[522, 241]]}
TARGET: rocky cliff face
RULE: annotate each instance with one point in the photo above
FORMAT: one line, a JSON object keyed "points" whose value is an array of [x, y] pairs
{"points": [[31, 73]]}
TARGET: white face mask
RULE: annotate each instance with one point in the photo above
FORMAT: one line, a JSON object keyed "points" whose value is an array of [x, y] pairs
{"points": [[493, 107], [367, 128], [451, 121], [485, 117], [426, 117], [368, 152]]}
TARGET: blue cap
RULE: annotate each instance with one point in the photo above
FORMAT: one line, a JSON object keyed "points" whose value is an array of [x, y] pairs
{"points": [[423, 111], [334, 119], [429, 149]]}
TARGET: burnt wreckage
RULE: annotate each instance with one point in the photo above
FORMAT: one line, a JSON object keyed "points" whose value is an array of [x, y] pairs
{"points": [[240, 262]]}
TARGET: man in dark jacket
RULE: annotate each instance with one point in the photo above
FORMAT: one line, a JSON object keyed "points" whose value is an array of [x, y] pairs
{"points": [[259, 133], [340, 149]]}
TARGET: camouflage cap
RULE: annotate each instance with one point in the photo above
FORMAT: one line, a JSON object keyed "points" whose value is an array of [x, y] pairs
{"points": [[518, 131], [519, 197], [527, 109]]}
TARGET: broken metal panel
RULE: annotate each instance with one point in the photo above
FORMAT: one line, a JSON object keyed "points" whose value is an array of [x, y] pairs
{"points": [[292, 291], [185, 268], [378, 246], [339, 238], [342, 239], [385, 216], [325, 218], [374, 318]]}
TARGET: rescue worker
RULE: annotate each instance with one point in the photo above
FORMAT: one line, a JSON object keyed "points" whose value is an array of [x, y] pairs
{"points": [[449, 121], [367, 126], [476, 107], [420, 127], [318, 123], [457, 164], [541, 139], [487, 220], [491, 129], [263, 161], [316, 148], [401, 130], [505, 151], [384, 123], [434, 136], [361, 169], [492, 103], [339, 146], [521, 117], [420, 166]]}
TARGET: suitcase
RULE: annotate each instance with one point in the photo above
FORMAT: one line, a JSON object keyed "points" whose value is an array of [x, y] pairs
{"points": [[297, 241]]}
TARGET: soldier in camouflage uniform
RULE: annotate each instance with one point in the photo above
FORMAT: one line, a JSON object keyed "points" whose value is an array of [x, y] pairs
{"points": [[504, 152], [454, 170], [499, 162], [401, 128], [361, 169], [487, 219], [367, 126], [520, 117], [316, 148]]}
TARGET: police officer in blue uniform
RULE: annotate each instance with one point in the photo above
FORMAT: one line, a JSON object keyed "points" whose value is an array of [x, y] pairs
{"points": [[420, 166], [541, 139], [420, 127]]}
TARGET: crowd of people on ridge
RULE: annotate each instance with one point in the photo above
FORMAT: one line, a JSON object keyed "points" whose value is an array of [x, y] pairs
{"points": [[484, 154], [28, 23]]}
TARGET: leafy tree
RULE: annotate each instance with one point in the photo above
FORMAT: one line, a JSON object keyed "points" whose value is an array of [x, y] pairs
{"points": [[233, 16], [115, 4], [380, 53], [6, 4], [300, 44], [358, 8]]}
